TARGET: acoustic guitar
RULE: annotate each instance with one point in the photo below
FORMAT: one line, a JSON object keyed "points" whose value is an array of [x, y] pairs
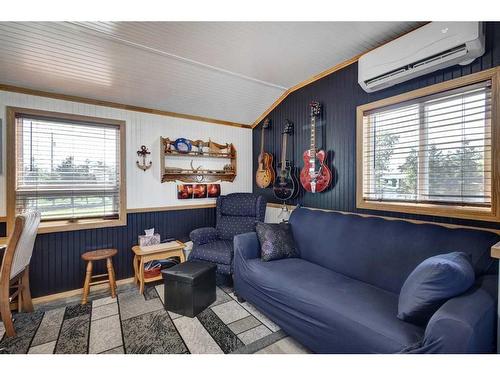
{"points": [[265, 172], [315, 176], [286, 184]]}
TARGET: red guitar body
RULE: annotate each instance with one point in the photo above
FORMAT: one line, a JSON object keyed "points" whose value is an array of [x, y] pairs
{"points": [[315, 176]]}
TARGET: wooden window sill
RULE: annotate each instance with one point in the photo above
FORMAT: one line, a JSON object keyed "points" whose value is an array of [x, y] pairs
{"points": [[65, 226], [460, 212]]}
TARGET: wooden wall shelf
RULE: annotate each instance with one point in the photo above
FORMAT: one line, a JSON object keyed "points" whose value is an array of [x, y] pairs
{"points": [[198, 154], [200, 149]]}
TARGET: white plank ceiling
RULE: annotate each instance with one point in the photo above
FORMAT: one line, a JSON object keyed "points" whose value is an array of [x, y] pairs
{"points": [[230, 71]]}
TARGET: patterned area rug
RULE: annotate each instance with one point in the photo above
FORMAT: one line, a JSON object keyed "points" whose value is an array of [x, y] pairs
{"points": [[133, 323]]}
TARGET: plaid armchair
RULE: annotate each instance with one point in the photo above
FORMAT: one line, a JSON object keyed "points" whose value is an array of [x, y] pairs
{"points": [[236, 214]]}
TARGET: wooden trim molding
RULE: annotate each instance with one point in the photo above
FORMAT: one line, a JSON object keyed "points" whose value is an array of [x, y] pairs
{"points": [[104, 103], [171, 208], [305, 83], [323, 74], [62, 226], [3, 219], [463, 212]]}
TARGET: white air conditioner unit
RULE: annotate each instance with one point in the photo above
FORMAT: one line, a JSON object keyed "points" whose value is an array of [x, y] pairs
{"points": [[432, 47]]}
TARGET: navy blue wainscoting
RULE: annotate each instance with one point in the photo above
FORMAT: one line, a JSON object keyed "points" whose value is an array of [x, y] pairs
{"points": [[56, 265], [340, 94]]}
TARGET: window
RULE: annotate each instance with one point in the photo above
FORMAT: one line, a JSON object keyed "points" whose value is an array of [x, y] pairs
{"points": [[432, 153], [69, 168]]}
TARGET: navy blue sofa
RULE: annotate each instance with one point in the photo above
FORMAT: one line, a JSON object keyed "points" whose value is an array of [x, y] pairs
{"points": [[341, 295]]}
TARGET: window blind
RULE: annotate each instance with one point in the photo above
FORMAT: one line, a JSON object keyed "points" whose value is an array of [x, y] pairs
{"points": [[67, 170], [434, 149]]}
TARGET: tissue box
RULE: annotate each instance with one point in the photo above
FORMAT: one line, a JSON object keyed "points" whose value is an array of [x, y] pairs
{"points": [[149, 240]]}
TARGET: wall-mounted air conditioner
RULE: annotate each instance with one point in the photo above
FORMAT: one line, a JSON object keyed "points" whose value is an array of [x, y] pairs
{"points": [[434, 46]]}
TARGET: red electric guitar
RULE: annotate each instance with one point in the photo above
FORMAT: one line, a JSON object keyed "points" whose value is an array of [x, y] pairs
{"points": [[315, 176]]}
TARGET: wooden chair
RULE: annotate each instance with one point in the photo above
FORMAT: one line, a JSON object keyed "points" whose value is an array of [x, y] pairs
{"points": [[14, 273]]}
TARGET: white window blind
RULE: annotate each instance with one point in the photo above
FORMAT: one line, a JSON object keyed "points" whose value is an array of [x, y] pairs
{"points": [[67, 170], [434, 149]]}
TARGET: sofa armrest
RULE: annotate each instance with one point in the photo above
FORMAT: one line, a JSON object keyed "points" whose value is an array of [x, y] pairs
{"points": [[247, 246], [204, 235], [465, 324]]}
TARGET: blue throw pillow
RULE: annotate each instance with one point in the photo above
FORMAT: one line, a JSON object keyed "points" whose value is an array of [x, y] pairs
{"points": [[432, 283]]}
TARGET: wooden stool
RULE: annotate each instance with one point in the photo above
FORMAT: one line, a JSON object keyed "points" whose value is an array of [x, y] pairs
{"points": [[93, 256]]}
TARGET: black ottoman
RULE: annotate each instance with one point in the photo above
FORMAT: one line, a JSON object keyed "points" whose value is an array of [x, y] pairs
{"points": [[189, 287]]}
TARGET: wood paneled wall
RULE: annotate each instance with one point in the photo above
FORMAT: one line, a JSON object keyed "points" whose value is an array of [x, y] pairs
{"points": [[56, 265], [340, 94]]}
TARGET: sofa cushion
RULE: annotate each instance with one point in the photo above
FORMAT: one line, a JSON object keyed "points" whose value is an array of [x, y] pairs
{"points": [[383, 252], [276, 241], [230, 226], [432, 283], [217, 252], [350, 314]]}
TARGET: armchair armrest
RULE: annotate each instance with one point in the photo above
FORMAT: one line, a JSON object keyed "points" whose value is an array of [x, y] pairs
{"points": [[247, 246], [204, 235], [465, 324]]}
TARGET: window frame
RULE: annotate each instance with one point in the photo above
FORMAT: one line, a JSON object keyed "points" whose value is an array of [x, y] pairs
{"points": [[452, 211], [62, 225]]}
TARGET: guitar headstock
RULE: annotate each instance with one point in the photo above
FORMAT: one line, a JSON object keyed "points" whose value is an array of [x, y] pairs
{"points": [[266, 123], [288, 127], [315, 109]]}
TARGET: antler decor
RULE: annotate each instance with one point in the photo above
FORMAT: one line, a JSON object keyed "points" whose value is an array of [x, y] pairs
{"points": [[143, 153]]}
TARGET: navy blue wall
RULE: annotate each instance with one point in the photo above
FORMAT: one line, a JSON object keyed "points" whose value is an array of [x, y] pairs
{"points": [[56, 265], [340, 94]]}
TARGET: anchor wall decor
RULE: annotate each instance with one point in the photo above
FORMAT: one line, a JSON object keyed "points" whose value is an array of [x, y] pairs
{"points": [[143, 153]]}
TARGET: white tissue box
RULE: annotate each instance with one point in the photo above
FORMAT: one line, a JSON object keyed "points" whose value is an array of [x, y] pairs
{"points": [[149, 240]]}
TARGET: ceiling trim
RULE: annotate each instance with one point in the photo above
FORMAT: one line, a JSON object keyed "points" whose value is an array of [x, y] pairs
{"points": [[104, 103], [323, 74]]}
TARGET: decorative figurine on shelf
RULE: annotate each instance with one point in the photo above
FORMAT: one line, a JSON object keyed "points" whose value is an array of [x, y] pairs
{"points": [[199, 144], [195, 170], [198, 174], [143, 153]]}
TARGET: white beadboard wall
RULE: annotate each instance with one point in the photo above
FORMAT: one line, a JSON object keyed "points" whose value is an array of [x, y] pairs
{"points": [[144, 189]]}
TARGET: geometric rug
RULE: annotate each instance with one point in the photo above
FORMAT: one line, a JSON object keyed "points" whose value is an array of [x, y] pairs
{"points": [[135, 323]]}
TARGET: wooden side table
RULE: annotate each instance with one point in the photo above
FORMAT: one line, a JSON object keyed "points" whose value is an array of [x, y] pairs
{"points": [[495, 253], [146, 254]]}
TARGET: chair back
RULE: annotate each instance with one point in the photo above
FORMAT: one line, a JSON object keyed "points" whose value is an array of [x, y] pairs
{"points": [[238, 212], [20, 247]]}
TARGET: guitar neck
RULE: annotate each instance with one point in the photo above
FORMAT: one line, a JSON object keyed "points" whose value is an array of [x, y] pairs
{"points": [[313, 133], [283, 152], [262, 141]]}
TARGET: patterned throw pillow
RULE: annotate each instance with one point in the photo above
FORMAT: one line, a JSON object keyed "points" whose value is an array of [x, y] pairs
{"points": [[276, 241]]}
